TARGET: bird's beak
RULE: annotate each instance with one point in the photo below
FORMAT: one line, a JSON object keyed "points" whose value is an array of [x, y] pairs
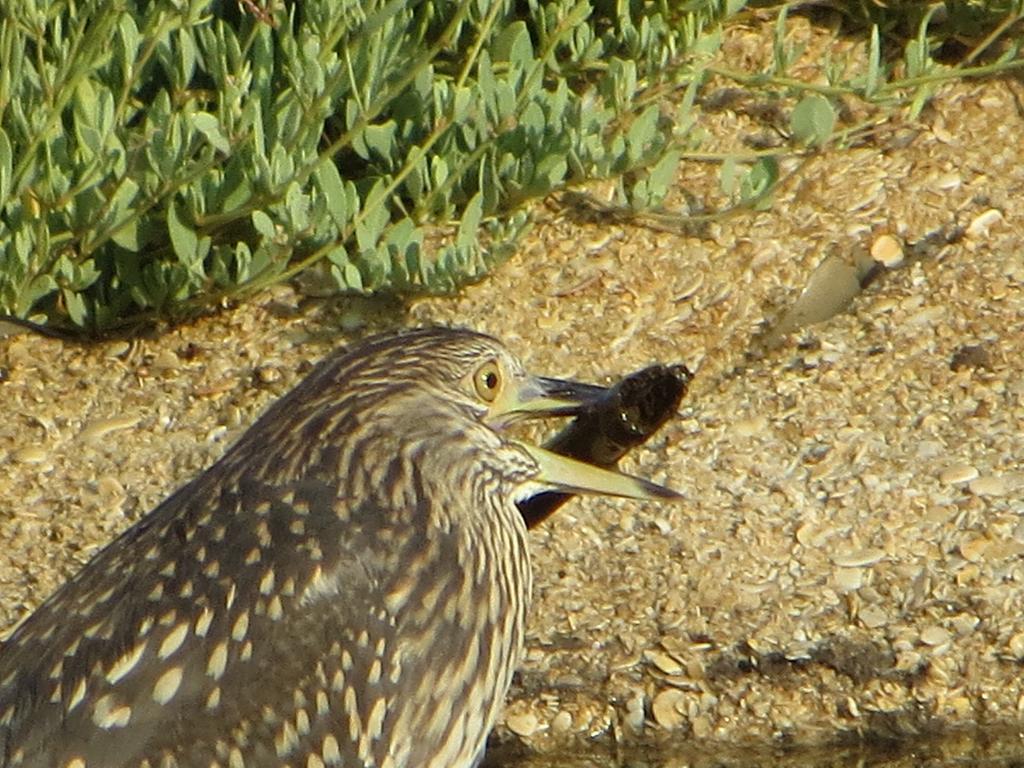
{"points": [[560, 473], [538, 397]]}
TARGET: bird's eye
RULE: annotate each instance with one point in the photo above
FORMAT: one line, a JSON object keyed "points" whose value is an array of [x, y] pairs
{"points": [[487, 381]]}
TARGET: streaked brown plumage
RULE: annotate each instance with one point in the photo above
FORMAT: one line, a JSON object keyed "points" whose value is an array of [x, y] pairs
{"points": [[347, 586]]}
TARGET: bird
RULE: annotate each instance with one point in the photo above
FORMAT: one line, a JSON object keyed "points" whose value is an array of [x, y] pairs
{"points": [[347, 586]]}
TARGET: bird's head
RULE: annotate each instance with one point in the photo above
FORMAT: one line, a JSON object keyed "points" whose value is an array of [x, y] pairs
{"points": [[438, 379]]}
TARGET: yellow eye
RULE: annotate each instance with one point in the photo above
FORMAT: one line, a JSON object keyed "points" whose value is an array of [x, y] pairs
{"points": [[487, 381]]}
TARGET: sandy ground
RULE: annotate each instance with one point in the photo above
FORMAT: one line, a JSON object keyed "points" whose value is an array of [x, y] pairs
{"points": [[850, 556]]}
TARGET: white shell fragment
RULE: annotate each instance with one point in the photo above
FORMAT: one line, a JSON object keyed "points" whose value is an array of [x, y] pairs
{"points": [[958, 473], [860, 558], [887, 251], [935, 636], [102, 427], [983, 222], [666, 709], [988, 485]]}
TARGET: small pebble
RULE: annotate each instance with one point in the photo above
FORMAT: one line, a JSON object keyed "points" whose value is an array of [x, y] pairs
{"points": [[166, 360], [926, 316], [663, 662], [702, 727], [635, 712], [110, 488], [970, 356], [873, 617], [973, 548], [665, 710], [961, 706], [216, 434], [33, 454], [981, 223], [691, 283], [1013, 268], [813, 535], [831, 287], [965, 623], [562, 722], [958, 473], [943, 134], [849, 579], [749, 427], [851, 707], [522, 724], [598, 243], [929, 449], [908, 661], [989, 485], [267, 374], [664, 526], [860, 558], [117, 348], [887, 251], [935, 635], [1016, 645], [101, 427]]}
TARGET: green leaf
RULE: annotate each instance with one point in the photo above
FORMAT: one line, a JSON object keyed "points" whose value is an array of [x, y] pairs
{"points": [[533, 121], [87, 119], [550, 173], [782, 55], [128, 38], [439, 170], [642, 133], [38, 288], [727, 175], [236, 186], [663, 175], [243, 263], [127, 235], [75, 305], [209, 126], [298, 207], [918, 50], [5, 167], [76, 276], [183, 240], [121, 202], [513, 45], [329, 182], [376, 140], [759, 183], [187, 54], [874, 72], [374, 219], [264, 225], [708, 44], [486, 84], [812, 120], [350, 277], [470, 222]]}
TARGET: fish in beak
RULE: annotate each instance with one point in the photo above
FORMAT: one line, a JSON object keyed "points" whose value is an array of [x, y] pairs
{"points": [[538, 397]]}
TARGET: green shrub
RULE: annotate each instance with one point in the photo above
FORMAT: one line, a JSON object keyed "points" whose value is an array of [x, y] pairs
{"points": [[158, 156]]}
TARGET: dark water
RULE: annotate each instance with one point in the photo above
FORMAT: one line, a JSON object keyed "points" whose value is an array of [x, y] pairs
{"points": [[1002, 749]]}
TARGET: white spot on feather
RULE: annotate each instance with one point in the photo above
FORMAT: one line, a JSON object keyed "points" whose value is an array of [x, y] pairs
{"points": [[167, 685]]}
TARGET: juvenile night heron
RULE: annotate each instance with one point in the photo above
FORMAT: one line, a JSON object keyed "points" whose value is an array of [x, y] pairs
{"points": [[347, 586]]}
